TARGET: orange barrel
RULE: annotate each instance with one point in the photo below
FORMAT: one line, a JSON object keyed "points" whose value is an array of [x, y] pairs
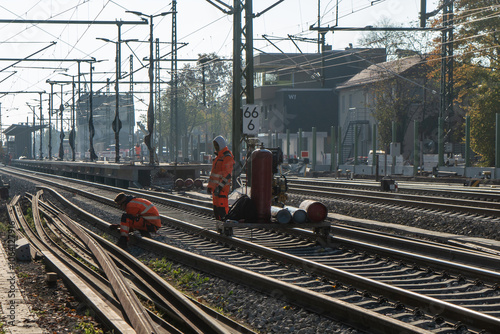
{"points": [[262, 179], [316, 211]]}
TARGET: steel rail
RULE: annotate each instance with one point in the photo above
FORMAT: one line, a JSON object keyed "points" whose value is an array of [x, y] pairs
{"points": [[135, 312], [440, 190], [103, 284], [407, 197], [178, 303], [294, 294], [81, 289], [207, 211], [458, 313], [464, 256], [382, 199]]}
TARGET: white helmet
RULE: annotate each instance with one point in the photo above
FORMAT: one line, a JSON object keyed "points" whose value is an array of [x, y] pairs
{"points": [[221, 143]]}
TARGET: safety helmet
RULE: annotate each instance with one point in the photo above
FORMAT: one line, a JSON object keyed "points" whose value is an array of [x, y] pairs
{"points": [[120, 198], [219, 143]]}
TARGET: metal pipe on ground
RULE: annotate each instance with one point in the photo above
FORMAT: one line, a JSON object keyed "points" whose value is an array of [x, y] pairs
{"points": [[179, 184], [188, 183], [299, 216], [198, 184], [316, 211], [282, 216]]}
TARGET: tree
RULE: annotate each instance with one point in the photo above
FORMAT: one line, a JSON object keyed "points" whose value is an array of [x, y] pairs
{"points": [[202, 99], [397, 43], [403, 95], [477, 49]]}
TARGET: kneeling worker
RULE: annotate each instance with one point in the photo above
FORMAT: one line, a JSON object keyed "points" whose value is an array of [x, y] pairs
{"points": [[140, 214], [220, 177]]}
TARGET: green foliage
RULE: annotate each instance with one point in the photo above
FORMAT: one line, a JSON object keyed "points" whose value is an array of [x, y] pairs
{"points": [[400, 99], [203, 99], [23, 275], [483, 108], [476, 71], [88, 328], [4, 227], [186, 279], [29, 217], [161, 266], [397, 43]]}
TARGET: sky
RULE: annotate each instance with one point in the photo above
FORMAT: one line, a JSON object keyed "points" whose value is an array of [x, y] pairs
{"points": [[201, 27]]}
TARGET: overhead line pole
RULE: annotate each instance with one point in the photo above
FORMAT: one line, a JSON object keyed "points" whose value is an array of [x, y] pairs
{"points": [[51, 107], [240, 72], [79, 22], [117, 124], [61, 134], [174, 115], [446, 110]]}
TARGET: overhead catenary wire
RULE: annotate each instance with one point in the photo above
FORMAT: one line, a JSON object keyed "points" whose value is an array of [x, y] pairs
{"points": [[297, 60]]}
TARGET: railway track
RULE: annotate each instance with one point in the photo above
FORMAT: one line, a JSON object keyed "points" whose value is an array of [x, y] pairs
{"points": [[371, 274], [115, 312], [487, 193], [473, 204]]}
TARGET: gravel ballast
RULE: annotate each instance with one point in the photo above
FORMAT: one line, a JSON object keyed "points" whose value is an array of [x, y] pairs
{"points": [[264, 313]]}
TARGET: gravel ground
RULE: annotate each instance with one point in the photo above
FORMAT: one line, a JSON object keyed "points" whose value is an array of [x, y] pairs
{"points": [[262, 313]]}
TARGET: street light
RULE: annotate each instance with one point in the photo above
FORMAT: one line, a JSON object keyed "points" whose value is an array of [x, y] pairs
{"points": [[117, 124], [150, 116]]}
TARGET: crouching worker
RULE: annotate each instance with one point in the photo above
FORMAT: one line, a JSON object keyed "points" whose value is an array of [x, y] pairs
{"points": [[140, 214]]}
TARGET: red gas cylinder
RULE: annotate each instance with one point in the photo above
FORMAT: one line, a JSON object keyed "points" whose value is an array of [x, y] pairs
{"points": [[316, 211], [262, 179]]}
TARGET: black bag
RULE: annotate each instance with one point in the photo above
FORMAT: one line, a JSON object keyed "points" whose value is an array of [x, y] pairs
{"points": [[243, 208]]}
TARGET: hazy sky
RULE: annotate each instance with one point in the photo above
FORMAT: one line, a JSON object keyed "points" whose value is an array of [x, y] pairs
{"points": [[201, 25]]}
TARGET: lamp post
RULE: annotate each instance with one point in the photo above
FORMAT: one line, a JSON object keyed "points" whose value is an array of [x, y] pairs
{"points": [[150, 116], [61, 134], [117, 124]]}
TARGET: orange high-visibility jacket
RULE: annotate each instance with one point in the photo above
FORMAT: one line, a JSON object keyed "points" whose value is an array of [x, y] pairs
{"points": [[222, 169], [140, 207]]}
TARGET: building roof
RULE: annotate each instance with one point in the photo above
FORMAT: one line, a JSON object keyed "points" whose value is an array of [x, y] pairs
{"points": [[381, 71], [20, 129]]}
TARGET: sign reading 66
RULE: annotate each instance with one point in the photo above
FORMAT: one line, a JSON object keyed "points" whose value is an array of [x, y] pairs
{"points": [[251, 119]]}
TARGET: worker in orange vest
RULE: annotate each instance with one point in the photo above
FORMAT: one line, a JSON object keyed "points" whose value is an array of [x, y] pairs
{"points": [[137, 151], [140, 214], [220, 177]]}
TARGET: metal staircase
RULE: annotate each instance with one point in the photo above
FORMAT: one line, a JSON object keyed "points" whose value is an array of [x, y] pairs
{"points": [[349, 137]]}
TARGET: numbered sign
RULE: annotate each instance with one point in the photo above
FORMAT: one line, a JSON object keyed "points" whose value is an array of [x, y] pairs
{"points": [[251, 119]]}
